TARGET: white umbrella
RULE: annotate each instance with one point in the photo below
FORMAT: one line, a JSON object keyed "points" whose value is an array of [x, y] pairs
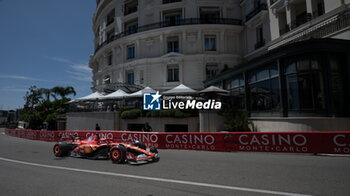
{"points": [[181, 89], [213, 89], [93, 96], [116, 95], [141, 92]]}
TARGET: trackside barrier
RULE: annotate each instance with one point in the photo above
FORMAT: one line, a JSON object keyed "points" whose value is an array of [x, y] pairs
{"points": [[286, 142]]}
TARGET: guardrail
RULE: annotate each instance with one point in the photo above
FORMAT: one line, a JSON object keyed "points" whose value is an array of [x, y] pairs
{"points": [[283, 142]]}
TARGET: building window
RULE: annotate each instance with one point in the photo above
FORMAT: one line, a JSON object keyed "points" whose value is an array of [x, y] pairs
{"points": [[110, 35], [172, 17], [130, 77], [110, 17], [107, 80], [305, 88], [260, 41], [109, 58], [131, 27], [211, 70], [236, 86], [173, 44], [210, 42], [264, 90], [320, 8], [173, 73], [130, 52], [130, 7], [209, 14]]}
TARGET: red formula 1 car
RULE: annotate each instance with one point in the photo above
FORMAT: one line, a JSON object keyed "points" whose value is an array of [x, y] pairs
{"points": [[95, 147]]}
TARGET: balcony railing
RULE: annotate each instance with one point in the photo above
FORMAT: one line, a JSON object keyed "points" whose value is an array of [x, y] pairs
{"points": [[259, 8], [332, 26], [171, 1], [301, 19], [259, 44], [186, 21], [321, 29]]}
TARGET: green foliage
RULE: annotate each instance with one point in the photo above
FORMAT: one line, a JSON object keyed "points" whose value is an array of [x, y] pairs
{"points": [[153, 113], [39, 108], [131, 114], [180, 114], [168, 113], [236, 120]]}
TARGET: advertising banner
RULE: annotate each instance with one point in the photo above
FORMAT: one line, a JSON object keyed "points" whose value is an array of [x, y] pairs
{"points": [[282, 142]]}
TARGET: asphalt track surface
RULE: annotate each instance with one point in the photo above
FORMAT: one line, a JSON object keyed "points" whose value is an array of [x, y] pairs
{"points": [[28, 167]]}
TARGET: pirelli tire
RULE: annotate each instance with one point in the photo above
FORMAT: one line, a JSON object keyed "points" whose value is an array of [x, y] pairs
{"points": [[61, 149], [118, 154]]}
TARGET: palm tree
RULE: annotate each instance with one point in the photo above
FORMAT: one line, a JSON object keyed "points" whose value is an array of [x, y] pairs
{"points": [[63, 92], [47, 93]]}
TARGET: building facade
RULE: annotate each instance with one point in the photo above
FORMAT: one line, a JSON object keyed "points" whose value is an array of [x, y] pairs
{"points": [[296, 77], [284, 61], [164, 43]]}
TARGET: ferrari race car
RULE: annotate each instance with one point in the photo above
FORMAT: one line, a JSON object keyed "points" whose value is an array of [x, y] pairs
{"points": [[95, 147]]}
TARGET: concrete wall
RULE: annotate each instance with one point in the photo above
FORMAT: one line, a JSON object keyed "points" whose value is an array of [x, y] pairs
{"points": [[158, 124], [210, 121], [88, 120], [293, 124]]}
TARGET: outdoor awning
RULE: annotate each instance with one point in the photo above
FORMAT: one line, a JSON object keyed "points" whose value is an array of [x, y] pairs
{"points": [[119, 94], [181, 89], [141, 92]]}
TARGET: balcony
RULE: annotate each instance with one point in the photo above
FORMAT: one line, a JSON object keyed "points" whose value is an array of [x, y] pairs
{"points": [[130, 7], [259, 8], [300, 19], [328, 26], [259, 44], [187, 21], [109, 88]]}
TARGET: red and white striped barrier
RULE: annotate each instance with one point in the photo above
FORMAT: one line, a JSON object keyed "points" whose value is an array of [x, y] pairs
{"points": [[286, 142]]}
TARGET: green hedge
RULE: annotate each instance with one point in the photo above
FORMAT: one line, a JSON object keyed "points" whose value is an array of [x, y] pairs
{"points": [[168, 113], [131, 114]]}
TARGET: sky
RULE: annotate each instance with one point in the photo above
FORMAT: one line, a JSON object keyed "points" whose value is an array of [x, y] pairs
{"points": [[45, 43]]}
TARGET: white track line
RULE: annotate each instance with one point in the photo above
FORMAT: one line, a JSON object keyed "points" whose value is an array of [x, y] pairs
{"points": [[155, 179]]}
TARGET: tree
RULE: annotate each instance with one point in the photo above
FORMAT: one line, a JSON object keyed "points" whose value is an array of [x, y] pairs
{"points": [[33, 97], [63, 92], [47, 93], [39, 108]]}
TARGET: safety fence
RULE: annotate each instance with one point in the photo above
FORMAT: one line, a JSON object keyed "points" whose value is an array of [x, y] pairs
{"points": [[284, 142]]}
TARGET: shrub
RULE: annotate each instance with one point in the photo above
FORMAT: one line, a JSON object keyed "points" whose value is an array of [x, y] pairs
{"points": [[236, 120], [131, 114]]}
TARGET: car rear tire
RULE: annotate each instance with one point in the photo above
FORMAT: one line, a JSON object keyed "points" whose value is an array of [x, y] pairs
{"points": [[60, 150], [118, 154]]}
